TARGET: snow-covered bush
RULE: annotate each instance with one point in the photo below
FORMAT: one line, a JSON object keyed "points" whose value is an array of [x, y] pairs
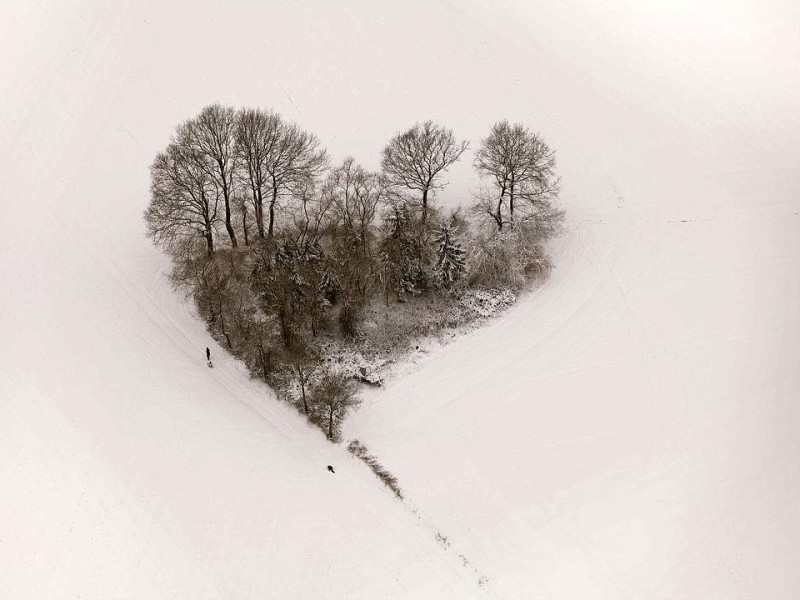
{"points": [[510, 258], [487, 302], [359, 450], [351, 363]]}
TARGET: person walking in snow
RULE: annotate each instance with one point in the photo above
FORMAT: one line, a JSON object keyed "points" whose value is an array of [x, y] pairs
{"points": [[208, 357], [330, 468]]}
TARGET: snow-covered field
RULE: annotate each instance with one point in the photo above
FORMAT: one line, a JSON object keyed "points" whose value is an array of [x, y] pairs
{"points": [[629, 430]]}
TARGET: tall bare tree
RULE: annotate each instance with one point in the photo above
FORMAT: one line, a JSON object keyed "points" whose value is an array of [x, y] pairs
{"points": [[278, 157], [416, 158], [521, 168], [258, 134], [312, 216], [297, 159], [212, 135], [241, 207], [355, 195], [183, 198]]}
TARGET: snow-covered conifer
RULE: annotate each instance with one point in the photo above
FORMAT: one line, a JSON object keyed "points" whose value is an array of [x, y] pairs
{"points": [[400, 253], [451, 257]]}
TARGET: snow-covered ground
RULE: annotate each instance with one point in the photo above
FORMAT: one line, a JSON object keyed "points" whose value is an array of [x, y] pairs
{"points": [[629, 430]]}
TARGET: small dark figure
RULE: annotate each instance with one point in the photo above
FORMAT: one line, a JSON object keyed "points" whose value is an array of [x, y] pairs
{"points": [[330, 468], [208, 354]]}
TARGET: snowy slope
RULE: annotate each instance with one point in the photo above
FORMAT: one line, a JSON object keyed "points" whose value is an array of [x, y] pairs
{"points": [[628, 430], [130, 469]]}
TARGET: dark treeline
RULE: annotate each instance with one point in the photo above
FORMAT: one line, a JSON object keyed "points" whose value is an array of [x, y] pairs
{"points": [[284, 253]]}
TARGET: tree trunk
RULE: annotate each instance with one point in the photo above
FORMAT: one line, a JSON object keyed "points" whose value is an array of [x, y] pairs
{"points": [[424, 206], [229, 227], [258, 197], [272, 210], [499, 216], [285, 332], [226, 193], [244, 224], [222, 326], [209, 242], [511, 199], [330, 422], [303, 391]]}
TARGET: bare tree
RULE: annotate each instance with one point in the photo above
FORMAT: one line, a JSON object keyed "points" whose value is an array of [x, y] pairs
{"points": [[278, 157], [304, 363], [212, 135], [257, 135], [240, 206], [334, 396], [264, 356], [355, 195], [312, 215], [183, 198], [416, 158], [297, 160], [521, 167]]}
